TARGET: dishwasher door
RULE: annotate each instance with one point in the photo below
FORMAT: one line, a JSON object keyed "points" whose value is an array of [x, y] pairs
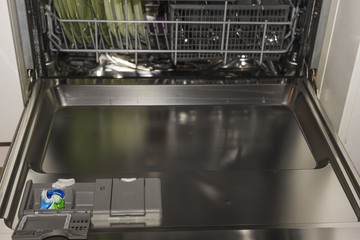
{"points": [[250, 160]]}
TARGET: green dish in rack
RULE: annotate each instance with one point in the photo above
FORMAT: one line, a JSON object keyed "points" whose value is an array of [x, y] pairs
{"points": [[99, 12], [110, 15], [120, 16], [81, 10], [119, 10], [112, 10], [129, 16], [139, 15], [61, 10], [130, 10]]}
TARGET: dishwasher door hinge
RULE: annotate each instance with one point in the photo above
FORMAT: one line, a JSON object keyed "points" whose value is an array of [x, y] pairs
{"points": [[31, 76], [312, 79]]}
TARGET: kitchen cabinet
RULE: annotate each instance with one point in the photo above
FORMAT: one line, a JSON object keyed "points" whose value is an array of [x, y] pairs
{"points": [[11, 103], [339, 74]]}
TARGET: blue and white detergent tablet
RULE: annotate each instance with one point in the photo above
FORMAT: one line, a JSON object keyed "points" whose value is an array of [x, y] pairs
{"points": [[52, 199]]}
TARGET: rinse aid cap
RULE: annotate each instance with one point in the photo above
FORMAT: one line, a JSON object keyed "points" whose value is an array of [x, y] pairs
{"points": [[128, 180], [62, 183]]}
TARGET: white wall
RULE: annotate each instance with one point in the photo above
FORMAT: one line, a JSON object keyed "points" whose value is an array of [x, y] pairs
{"points": [[11, 104]]}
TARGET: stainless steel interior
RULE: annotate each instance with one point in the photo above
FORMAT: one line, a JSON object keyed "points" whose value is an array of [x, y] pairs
{"points": [[153, 137], [236, 155]]}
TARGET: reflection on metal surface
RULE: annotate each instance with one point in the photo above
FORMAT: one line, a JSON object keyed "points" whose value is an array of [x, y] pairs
{"points": [[253, 197], [120, 66], [115, 65], [169, 138], [271, 38], [343, 233]]}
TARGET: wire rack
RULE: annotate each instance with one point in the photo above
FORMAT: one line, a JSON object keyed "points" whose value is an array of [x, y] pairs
{"points": [[187, 32]]}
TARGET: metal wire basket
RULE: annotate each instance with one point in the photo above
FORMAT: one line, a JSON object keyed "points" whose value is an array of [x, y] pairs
{"points": [[188, 32], [214, 31]]}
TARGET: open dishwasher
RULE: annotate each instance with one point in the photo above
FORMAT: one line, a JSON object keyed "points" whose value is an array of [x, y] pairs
{"points": [[175, 120]]}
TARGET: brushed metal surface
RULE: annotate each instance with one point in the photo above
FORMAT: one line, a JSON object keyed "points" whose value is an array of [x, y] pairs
{"points": [[245, 234], [233, 160], [174, 138], [253, 198]]}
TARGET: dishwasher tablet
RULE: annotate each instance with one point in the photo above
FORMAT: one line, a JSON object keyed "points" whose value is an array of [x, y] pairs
{"points": [[52, 199]]}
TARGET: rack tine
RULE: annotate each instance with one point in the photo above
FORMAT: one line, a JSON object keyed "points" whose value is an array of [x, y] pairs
{"points": [[263, 43], [91, 34], [97, 41], [127, 25], [64, 37], [227, 42], [136, 44], [165, 36], [111, 38], [74, 40], [120, 40], [224, 26], [176, 41], [148, 35], [156, 31], [83, 39], [166, 32]]}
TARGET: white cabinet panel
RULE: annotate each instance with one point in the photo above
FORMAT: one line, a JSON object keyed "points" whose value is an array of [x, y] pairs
{"points": [[340, 59], [351, 113], [339, 73], [3, 154], [349, 131], [11, 104], [353, 149]]}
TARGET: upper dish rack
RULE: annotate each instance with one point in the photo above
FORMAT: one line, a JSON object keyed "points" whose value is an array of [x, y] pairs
{"points": [[185, 31]]}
